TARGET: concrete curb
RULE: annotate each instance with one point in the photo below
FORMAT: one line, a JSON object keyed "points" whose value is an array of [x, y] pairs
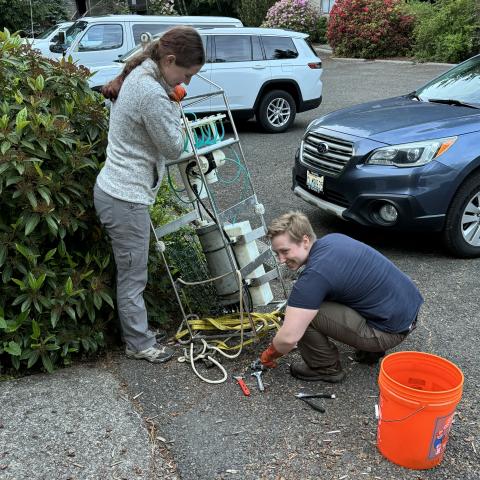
{"points": [[411, 62], [328, 50]]}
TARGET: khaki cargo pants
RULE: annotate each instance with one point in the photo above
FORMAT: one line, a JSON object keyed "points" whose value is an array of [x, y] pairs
{"points": [[341, 323]]}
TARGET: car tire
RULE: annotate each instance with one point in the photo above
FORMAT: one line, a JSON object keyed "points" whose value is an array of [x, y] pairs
{"points": [[276, 111], [462, 226]]}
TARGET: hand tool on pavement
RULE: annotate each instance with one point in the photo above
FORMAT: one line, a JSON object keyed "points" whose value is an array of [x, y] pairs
{"points": [[258, 375], [307, 398], [243, 385], [257, 365]]}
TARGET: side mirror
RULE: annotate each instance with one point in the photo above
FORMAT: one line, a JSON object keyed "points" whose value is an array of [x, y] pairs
{"points": [[58, 48]]}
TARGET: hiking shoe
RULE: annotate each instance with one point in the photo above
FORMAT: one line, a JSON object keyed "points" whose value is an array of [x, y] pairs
{"points": [[302, 371], [155, 354], [368, 358]]}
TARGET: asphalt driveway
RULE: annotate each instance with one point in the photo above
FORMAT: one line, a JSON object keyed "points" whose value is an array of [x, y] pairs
{"points": [[213, 432]]}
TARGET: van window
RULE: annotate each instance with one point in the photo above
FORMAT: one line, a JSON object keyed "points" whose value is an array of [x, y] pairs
{"points": [[72, 33], [101, 37], [152, 28], [214, 25], [47, 32], [233, 48], [277, 48], [207, 48]]}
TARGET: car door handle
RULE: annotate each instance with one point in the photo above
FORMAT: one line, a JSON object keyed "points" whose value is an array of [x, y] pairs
{"points": [[203, 70], [259, 67]]}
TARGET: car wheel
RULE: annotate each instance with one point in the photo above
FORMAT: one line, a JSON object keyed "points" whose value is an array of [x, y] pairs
{"points": [[462, 227], [276, 111]]}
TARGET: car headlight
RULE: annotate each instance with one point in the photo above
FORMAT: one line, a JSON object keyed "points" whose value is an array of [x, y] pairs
{"points": [[411, 154]]}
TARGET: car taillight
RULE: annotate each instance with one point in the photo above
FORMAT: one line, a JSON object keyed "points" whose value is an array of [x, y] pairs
{"points": [[315, 65]]}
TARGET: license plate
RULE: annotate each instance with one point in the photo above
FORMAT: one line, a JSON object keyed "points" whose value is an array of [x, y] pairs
{"points": [[314, 182]]}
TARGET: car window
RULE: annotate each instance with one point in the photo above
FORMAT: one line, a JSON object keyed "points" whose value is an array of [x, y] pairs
{"points": [[310, 45], [461, 83], [277, 48], [233, 48], [257, 52], [101, 37], [152, 28]]}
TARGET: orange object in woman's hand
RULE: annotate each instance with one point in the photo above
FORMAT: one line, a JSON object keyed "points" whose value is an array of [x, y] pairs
{"points": [[178, 93]]}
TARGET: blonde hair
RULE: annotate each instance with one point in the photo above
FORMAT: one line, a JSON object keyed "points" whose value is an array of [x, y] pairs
{"points": [[295, 223]]}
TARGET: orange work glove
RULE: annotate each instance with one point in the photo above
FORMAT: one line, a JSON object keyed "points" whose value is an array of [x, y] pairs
{"points": [[178, 93], [269, 356]]}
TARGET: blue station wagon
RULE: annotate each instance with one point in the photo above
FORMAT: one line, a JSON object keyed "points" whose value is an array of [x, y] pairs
{"points": [[406, 163]]}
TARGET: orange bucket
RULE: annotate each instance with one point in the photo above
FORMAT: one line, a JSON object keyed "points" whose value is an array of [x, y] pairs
{"points": [[418, 396]]}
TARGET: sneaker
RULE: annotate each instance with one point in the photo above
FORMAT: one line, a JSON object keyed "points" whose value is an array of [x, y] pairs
{"points": [[302, 371], [155, 354], [368, 358]]}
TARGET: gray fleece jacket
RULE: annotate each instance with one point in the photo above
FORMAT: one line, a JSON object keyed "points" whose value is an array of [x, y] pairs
{"points": [[144, 131]]}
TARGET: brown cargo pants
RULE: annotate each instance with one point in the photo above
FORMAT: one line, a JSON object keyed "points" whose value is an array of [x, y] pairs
{"points": [[339, 322]]}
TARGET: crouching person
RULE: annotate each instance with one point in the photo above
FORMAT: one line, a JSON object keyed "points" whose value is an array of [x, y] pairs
{"points": [[347, 291]]}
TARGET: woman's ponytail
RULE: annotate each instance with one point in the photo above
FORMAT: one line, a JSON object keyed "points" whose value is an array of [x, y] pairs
{"points": [[183, 42]]}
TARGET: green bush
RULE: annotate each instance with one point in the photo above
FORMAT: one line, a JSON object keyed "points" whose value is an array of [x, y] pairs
{"points": [[253, 12], [295, 15], [446, 31], [55, 264], [369, 28], [185, 258], [15, 14], [319, 35], [161, 7], [223, 8]]}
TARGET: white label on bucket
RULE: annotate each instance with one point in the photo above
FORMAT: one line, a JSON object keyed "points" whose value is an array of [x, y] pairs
{"points": [[440, 435]]}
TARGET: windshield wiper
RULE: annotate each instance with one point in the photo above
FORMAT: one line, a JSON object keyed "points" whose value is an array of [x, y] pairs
{"points": [[451, 101], [414, 96]]}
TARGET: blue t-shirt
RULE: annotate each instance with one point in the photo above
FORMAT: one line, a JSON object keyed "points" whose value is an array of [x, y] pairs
{"points": [[342, 270]]}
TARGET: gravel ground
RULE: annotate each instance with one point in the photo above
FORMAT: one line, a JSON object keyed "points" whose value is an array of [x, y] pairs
{"points": [[214, 432], [125, 419]]}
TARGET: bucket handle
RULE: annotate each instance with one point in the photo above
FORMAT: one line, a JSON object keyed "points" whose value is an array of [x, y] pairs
{"points": [[400, 419]]}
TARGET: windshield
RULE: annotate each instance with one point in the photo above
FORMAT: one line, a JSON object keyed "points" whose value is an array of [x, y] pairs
{"points": [[461, 83], [73, 31], [126, 57], [47, 32]]}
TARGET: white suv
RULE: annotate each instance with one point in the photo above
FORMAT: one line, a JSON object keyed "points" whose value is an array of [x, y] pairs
{"points": [[268, 73]]}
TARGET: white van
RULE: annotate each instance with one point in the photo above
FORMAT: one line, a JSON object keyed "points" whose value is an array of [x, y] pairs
{"points": [[49, 37], [98, 40]]}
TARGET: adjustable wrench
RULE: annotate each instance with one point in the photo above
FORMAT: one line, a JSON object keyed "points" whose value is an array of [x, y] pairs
{"points": [[258, 375]]}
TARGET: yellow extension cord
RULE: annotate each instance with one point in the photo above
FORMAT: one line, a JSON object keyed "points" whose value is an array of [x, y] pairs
{"points": [[233, 323]]}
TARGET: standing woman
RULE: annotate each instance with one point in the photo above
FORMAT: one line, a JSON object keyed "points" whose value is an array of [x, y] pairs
{"points": [[145, 130]]}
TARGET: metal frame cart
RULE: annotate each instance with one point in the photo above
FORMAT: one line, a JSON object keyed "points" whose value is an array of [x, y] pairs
{"points": [[224, 219]]}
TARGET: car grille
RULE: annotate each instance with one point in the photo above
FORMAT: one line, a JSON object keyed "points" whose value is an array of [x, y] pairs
{"points": [[333, 161]]}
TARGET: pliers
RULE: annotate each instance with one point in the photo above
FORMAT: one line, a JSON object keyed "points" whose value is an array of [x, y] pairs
{"points": [[307, 398]]}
